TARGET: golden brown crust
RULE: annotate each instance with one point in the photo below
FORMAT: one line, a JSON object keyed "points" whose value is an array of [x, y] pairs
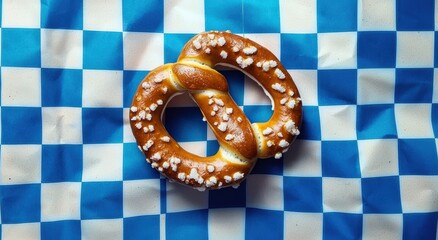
{"points": [[241, 142]]}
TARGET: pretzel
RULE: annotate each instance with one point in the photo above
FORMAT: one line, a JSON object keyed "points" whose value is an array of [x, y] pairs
{"points": [[241, 143]]}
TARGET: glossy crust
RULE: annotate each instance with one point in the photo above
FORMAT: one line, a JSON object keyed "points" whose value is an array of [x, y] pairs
{"points": [[241, 142]]}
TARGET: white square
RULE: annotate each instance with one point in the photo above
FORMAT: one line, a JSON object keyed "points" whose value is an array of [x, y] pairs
{"points": [[303, 225], [226, 223], [376, 15], [303, 159], [102, 229], [341, 195], [269, 41], [141, 197], [60, 201], [415, 49], [298, 16], [20, 164], [337, 50], [21, 87], [128, 136], [264, 192], [435, 84], [378, 157], [338, 122], [102, 162], [102, 88], [21, 14], [61, 48], [375, 86], [20, 231], [103, 15], [181, 198], [143, 51], [198, 148], [414, 120], [307, 84], [184, 16], [382, 226], [254, 94], [419, 193], [62, 125]]}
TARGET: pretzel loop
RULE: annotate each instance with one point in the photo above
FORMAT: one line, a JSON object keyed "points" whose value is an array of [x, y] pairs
{"points": [[241, 142]]}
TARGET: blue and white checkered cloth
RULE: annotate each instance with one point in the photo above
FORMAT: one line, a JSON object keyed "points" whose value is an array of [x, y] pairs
{"points": [[364, 167]]}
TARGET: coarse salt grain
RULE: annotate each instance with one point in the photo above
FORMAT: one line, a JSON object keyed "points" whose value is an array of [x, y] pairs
{"points": [[156, 157], [151, 128], [219, 102], [208, 50], [225, 117], [227, 179], [197, 44], [222, 126], [164, 90], [229, 137], [142, 114], [278, 87], [160, 102], [148, 117], [153, 107], [165, 139], [210, 168], [181, 176], [145, 85], [291, 104], [235, 49], [134, 109], [269, 143], [221, 41], [250, 50], [283, 143], [239, 119], [224, 54], [267, 131], [138, 125], [229, 110], [279, 74], [278, 155], [213, 113], [165, 165], [283, 101], [237, 176]]}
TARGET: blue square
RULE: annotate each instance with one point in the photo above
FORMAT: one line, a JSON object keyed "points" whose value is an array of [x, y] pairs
{"points": [[337, 87], [299, 51], [220, 16], [302, 194], [435, 119], [236, 85], [212, 147], [228, 197], [420, 226], [310, 126], [415, 15], [337, 16], [264, 224], [261, 16], [338, 226], [414, 85], [381, 195], [21, 203], [187, 225], [173, 44], [143, 16], [61, 163], [20, 47], [62, 14], [340, 159], [142, 227], [376, 49], [101, 200], [258, 113], [103, 50], [131, 82], [380, 125], [135, 165], [180, 119], [417, 157], [68, 230], [269, 166], [436, 47], [15, 124], [61, 87], [107, 130]]}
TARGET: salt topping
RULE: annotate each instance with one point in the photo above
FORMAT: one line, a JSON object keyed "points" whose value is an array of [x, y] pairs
{"points": [[279, 134], [229, 137], [213, 113], [279, 74], [142, 114], [156, 157], [235, 49], [283, 101], [164, 90], [138, 125], [215, 108], [211, 181], [259, 64], [193, 174], [270, 143], [227, 179], [148, 117], [165, 138], [283, 143], [154, 165], [210, 94], [134, 118], [158, 80], [278, 155], [145, 85], [291, 93], [210, 101], [272, 63], [153, 106], [197, 44], [219, 102], [148, 145], [145, 129], [181, 176], [229, 110], [224, 54], [225, 117], [200, 180], [151, 128], [289, 126], [267, 131], [250, 50], [211, 36], [221, 41], [278, 87], [160, 102], [213, 43], [237, 176], [222, 126], [208, 50], [266, 66], [291, 104], [210, 168], [244, 62], [134, 109], [165, 165], [239, 119]]}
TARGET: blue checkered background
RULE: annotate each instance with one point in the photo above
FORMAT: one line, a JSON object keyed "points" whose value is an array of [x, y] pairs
{"points": [[364, 167]]}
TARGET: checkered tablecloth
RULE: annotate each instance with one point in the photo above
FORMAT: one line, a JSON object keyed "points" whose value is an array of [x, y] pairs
{"points": [[364, 167]]}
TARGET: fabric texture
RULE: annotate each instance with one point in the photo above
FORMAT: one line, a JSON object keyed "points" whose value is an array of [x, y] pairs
{"points": [[364, 167]]}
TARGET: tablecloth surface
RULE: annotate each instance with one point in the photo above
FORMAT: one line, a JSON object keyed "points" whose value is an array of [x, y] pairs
{"points": [[364, 167]]}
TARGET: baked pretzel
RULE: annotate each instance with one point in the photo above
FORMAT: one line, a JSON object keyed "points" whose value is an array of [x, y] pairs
{"points": [[241, 142]]}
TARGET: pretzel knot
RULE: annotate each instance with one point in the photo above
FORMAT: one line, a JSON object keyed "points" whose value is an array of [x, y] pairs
{"points": [[241, 143]]}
